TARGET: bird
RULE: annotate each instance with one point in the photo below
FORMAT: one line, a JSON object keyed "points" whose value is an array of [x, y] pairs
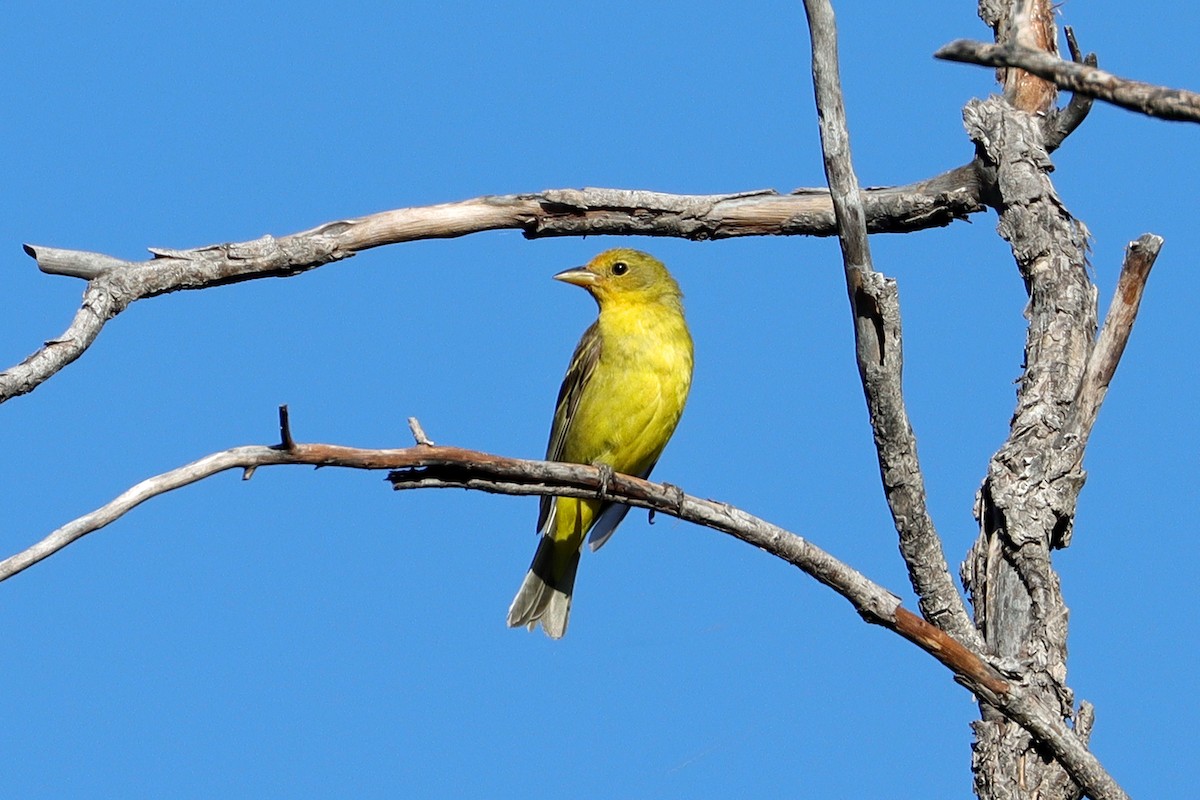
{"points": [[619, 404]]}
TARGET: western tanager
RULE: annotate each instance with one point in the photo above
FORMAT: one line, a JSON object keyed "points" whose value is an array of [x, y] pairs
{"points": [[619, 403]]}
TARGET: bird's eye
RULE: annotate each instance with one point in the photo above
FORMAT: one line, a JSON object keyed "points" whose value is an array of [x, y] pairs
{"points": [[620, 268]]}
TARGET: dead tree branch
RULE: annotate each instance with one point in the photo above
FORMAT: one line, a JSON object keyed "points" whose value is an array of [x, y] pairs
{"points": [[875, 305], [427, 465], [431, 466], [115, 283], [1140, 256], [1062, 122], [1025, 23], [1065, 458], [1082, 78]]}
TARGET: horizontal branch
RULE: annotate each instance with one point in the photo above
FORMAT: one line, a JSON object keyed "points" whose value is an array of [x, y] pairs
{"points": [[1146, 98], [115, 283], [430, 466]]}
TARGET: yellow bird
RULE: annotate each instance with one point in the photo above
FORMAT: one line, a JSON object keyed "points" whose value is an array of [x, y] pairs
{"points": [[619, 404]]}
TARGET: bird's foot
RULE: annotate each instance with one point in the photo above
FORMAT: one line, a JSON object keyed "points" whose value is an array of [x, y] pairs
{"points": [[677, 496], [606, 476]]}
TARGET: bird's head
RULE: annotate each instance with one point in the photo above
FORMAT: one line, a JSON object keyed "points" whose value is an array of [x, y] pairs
{"points": [[624, 275]]}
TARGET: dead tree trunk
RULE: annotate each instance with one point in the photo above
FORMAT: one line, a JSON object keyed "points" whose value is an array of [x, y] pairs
{"points": [[1026, 505]]}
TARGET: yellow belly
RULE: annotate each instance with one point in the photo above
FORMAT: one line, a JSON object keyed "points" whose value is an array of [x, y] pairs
{"points": [[632, 403]]}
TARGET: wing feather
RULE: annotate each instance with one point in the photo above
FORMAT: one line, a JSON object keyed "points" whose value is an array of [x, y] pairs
{"points": [[579, 373]]}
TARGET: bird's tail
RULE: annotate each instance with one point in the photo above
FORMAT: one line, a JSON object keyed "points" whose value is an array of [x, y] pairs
{"points": [[545, 594]]}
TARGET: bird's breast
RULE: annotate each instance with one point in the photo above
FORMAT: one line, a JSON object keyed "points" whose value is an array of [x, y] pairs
{"points": [[637, 393]]}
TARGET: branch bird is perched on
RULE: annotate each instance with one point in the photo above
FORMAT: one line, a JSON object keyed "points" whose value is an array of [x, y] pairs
{"points": [[619, 404]]}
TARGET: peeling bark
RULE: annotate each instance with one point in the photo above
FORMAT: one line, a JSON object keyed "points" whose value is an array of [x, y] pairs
{"points": [[1027, 504]]}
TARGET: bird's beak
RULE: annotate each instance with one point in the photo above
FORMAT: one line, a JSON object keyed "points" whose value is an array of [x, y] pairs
{"points": [[580, 276]]}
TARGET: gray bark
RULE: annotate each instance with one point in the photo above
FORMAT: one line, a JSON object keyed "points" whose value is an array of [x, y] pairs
{"points": [[1026, 506], [113, 284], [1085, 79]]}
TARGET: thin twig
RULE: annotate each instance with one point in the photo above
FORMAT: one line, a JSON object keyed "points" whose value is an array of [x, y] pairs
{"points": [[1146, 98], [418, 432], [285, 429], [431, 466], [1073, 45], [1063, 122], [878, 337]]}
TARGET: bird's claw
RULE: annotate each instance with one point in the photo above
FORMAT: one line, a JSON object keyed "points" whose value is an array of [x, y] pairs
{"points": [[677, 496], [606, 476]]}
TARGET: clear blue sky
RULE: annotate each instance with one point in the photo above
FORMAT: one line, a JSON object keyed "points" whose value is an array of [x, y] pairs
{"points": [[315, 634]]}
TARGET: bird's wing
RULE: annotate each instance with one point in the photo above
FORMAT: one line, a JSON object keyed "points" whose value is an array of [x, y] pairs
{"points": [[583, 364]]}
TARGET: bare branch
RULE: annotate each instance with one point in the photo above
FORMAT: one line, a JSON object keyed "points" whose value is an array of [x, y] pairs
{"points": [[99, 306], [115, 283], [878, 344], [1140, 256], [1063, 122], [1066, 456], [429, 466], [835, 141], [55, 261], [1146, 98]]}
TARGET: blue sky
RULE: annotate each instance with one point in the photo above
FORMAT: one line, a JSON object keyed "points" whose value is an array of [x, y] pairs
{"points": [[315, 634]]}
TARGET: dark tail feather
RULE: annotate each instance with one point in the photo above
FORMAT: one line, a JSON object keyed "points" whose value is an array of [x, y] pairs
{"points": [[543, 597]]}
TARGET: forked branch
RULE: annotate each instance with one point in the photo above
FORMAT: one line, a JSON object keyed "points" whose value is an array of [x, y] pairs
{"points": [[1066, 454], [878, 346]]}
